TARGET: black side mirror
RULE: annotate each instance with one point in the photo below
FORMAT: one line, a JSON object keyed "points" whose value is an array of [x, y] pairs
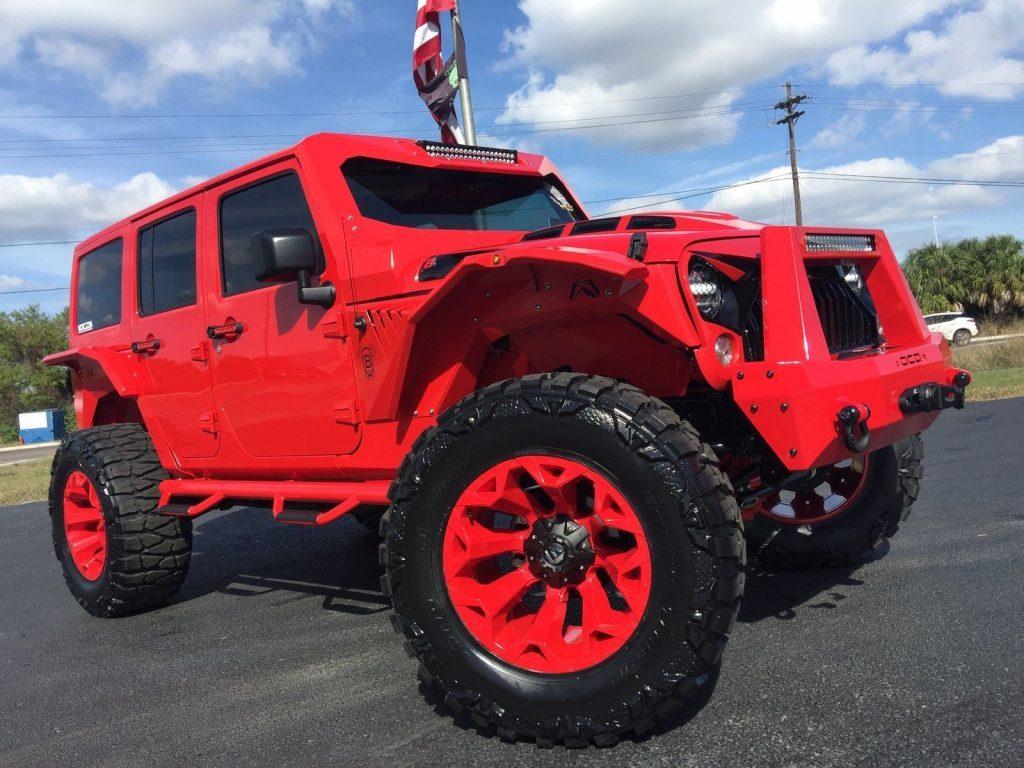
{"points": [[290, 254]]}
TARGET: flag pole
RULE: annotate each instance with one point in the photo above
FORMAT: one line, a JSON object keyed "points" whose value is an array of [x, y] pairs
{"points": [[468, 125]]}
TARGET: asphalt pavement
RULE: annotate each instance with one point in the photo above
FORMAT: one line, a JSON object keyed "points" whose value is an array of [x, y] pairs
{"points": [[278, 651]]}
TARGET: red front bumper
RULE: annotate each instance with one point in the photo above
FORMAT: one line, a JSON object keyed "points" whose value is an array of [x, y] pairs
{"points": [[794, 398], [795, 406]]}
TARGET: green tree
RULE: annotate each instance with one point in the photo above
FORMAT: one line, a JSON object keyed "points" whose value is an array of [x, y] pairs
{"points": [[26, 336], [984, 276]]}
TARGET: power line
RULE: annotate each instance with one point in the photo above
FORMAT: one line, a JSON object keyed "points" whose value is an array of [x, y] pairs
{"points": [[674, 196], [502, 130], [695, 112], [493, 108], [697, 193], [369, 113], [45, 242], [915, 179], [35, 290]]}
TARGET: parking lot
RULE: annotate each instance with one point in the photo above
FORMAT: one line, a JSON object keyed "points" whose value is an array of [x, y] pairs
{"points": [[278, 651]]}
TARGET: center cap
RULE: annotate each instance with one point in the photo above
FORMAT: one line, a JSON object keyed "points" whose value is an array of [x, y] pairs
{"points": [[558, 550], [555, 553]]}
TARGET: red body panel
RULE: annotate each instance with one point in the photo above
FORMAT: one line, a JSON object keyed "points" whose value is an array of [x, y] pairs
{"points": [[304, 394]]}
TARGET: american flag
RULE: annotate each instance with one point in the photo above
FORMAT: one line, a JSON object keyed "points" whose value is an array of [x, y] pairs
{"points": [[437, 80]]}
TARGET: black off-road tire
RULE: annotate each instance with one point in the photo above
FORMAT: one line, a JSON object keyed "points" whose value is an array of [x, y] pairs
{"points": [[892, 488], [685, 503], [147, 553]]}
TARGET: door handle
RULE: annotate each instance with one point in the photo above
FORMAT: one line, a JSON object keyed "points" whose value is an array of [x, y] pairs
{"points": [[229, 330], [147, 347]]}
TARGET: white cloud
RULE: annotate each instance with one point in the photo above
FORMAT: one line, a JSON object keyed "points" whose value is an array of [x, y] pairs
{"points": [[595, 55], [841, 133], [132, 51], [859, 202], [9, 282], [59, 206], [977, 52]]}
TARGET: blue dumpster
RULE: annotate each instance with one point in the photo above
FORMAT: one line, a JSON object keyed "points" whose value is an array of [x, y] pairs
{"points": [[41, 426]]}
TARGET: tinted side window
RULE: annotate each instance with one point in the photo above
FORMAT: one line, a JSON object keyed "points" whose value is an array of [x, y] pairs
{"points": [[275, 204], [167, 264], [99, 288]]}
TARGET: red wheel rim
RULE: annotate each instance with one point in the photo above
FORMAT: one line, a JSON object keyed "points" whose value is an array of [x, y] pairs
{"points": [[84, 526], [829, 493], [547, 564]]}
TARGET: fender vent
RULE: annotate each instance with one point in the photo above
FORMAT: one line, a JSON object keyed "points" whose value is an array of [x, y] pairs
{"points": [[595, 225], [651, 222], [544, 234]]}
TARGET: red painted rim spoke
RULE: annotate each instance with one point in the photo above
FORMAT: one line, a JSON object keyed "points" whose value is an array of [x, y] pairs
{"points": [[474, 541], [547, 564], [84, 526], [501, 493]]}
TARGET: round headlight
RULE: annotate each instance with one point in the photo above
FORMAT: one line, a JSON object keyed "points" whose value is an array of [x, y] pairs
{"points": [[706, 290]]}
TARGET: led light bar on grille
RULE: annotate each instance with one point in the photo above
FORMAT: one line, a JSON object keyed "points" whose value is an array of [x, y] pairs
{"points": [[464, 152], [819, 243]]}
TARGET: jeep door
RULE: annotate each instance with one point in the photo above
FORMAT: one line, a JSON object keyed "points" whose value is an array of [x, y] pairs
{"points": [[175, 389], [283, 375]]}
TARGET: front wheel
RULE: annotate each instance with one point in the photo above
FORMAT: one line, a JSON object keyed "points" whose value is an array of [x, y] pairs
{"points": [[840, 513], [564, 558]]}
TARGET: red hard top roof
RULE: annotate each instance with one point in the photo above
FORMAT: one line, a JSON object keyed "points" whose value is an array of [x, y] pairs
{"points": [[339, 144]]}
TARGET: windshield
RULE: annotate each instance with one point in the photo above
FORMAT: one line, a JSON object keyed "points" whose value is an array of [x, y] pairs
{"points": [[439, 198]]}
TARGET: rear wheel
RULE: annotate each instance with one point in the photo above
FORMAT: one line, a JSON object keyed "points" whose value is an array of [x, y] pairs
{"points": [[841, 512], [962, 337], [564, 558], [118, 555]]}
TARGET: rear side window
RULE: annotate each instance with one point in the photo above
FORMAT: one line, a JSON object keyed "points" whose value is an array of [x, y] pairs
{"points": [[98, 303], [167, 264], [275, 204]]}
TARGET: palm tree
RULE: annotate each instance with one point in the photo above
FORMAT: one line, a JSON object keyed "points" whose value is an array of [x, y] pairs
{"points": [[982, 276]]}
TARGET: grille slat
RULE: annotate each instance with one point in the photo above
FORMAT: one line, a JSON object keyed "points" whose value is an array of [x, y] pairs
{"points": [[753, 329], [848, 321]]}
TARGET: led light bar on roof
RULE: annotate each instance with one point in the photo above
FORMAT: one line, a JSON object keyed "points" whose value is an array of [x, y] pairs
{"points": [[465, 152], [821, 243]]}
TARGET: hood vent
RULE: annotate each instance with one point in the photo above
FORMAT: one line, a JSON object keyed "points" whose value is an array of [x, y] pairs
{"points": [[651, 222], [594, 226]]}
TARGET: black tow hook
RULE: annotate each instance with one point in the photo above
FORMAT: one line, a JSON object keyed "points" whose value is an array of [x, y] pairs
{"points": [[851, 421], [935, 397]]}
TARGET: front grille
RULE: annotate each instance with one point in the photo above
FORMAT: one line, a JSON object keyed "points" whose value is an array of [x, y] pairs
{"points": [[848, 319], [753, 327]]}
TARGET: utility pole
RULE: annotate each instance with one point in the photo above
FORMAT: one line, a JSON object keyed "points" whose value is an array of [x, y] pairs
{"points": [[790, 120], [935, 229], [468, 126]]}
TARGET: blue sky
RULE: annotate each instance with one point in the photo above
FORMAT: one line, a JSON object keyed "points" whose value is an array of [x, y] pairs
{"points": [[106, 107]]}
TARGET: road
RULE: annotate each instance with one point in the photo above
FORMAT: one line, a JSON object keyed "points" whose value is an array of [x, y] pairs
{"points": [[278, 651], [25, 453]]}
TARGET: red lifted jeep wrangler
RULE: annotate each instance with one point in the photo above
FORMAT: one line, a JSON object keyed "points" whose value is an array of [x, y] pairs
{"points": [[573, 424]]}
